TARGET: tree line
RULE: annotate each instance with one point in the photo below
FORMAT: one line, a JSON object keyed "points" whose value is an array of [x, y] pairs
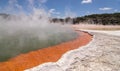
{"points": [[103, 19]]}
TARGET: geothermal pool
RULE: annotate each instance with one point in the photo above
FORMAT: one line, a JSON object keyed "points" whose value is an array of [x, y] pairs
{"points": [[21, 34], [50, 54], [13, 44]]}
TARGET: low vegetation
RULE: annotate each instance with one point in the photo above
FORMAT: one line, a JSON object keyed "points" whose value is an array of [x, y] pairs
{"points": [[101, 19]]}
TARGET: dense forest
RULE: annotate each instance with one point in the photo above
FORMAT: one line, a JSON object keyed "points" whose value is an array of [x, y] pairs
{"points": [[104, 19]]}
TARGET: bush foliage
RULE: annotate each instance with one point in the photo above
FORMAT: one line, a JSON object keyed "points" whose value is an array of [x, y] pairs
{"points": [[103, 19]]}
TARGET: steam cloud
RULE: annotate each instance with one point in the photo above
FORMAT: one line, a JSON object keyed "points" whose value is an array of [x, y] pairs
{"points": [[20, 33]]}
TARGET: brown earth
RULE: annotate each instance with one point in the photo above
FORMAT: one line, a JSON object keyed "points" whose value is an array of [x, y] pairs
{"points": [[50, 54]]}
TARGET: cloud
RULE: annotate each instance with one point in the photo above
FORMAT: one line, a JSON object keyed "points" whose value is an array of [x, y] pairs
{"points": [[105, 8], [116, 10], [32, 2], [42, 1], [86, 1], [13, 7], [69, 13], [87, 12], [53, 11]]}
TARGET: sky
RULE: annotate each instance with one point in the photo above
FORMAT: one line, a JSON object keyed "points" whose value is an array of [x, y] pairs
{"points": [[62, 8]]}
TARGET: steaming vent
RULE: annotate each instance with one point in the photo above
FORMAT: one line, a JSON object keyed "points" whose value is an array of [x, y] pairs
{"points": [[21, 33]]}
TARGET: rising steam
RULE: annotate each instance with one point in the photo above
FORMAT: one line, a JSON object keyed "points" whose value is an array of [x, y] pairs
{"points": [[20, 33]]}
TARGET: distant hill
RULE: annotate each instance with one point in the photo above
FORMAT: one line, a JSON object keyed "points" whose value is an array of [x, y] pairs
{"points": [[104, 19]]}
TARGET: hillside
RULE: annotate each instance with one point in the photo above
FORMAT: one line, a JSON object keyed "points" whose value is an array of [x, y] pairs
{"points": [[104, 19]]}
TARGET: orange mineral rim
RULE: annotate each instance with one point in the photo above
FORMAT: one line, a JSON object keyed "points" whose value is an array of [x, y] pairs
{"points": [[50, 54]]}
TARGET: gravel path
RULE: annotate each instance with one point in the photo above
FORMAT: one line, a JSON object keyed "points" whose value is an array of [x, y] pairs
{"points": [[101, 54]]}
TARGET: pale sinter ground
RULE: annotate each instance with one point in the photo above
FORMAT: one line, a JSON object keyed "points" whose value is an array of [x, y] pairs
{"points": [[101, 54]]}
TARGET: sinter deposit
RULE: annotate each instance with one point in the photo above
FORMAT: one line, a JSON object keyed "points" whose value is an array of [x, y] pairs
{"points": [[101, 54]]}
